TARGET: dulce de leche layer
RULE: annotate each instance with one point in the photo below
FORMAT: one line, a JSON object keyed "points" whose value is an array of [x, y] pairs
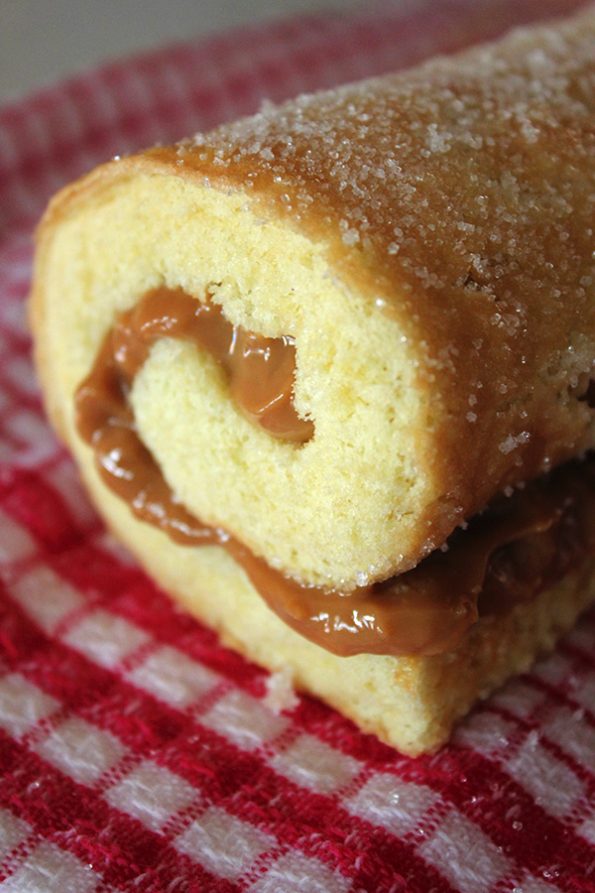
{"points": [[520, 546]]}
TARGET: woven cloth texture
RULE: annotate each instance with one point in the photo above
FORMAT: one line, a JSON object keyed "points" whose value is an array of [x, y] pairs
{"points": [[135, 752]]}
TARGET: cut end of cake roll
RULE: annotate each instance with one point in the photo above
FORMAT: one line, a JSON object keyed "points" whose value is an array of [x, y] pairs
{"points": [[338, 510]]}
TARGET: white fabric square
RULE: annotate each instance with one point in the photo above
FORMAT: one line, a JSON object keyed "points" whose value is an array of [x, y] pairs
{"points": [[65, 478], [518, 698], [51, 870], [173, 677], [552, 784], [15, 541], [314, 764], [573, 735], [464, 855], [152, 794], [296, 873], [244, 720], [106, 638], [12, 832], [45, 597], [487, 733], [39, 438], [553, 669], [20, 371], [391, 803], [224, 844], [533, 885], [22, 704], [81, 750], [14, 313], [105, 540], [587, 829]]}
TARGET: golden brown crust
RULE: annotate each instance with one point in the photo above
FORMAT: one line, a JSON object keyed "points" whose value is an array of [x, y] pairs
{"points": [[462, 194]]}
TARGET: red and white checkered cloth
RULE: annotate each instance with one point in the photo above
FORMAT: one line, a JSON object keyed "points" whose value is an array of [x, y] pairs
{"points": [[138, 754]]}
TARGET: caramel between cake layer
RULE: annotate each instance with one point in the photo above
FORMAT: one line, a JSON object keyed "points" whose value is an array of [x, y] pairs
{"points": [[518, 547]]}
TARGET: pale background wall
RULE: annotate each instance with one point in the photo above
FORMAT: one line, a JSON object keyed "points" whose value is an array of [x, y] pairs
{"points": [[42, 41]]}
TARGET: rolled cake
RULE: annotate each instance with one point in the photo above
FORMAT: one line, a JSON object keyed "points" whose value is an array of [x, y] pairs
{"points": [[328, 372]]}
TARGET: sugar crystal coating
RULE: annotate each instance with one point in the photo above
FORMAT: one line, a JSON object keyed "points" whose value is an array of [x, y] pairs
{"points": [[386, 154], [463, 193]]}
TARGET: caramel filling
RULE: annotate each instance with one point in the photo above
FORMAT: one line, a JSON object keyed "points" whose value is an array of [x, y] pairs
{"points": [[510, 553]]}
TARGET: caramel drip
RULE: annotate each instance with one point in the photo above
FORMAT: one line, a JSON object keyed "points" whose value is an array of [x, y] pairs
{"points": [[260, 372], [510, 553], [507, 556]]}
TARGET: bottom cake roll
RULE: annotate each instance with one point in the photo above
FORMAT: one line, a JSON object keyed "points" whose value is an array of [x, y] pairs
{"points": [[329, 373], [411, 703]]}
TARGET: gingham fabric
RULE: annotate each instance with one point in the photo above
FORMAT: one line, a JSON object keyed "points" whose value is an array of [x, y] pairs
{"points": [[138, 754]]}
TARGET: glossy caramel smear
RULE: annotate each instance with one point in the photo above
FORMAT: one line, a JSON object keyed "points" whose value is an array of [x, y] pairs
{"points": [[260, 372], [510, 553]]}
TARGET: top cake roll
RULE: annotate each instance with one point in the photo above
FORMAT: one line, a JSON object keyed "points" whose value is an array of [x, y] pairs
{"points": [[421, 243]]}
